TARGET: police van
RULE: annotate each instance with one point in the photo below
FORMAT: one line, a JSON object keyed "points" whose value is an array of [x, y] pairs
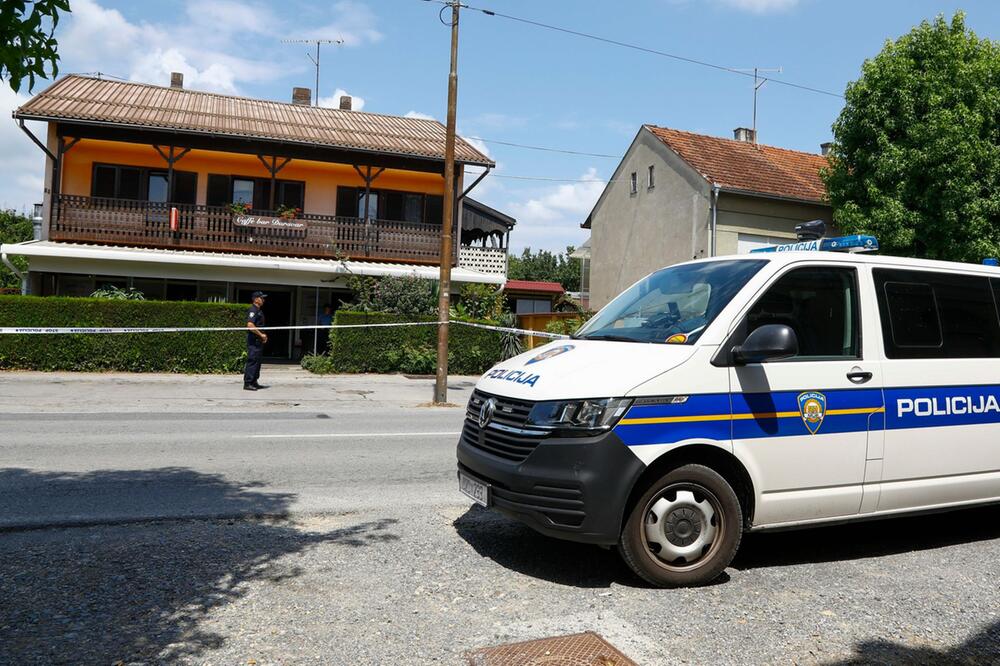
{"points": [[777, 389]]}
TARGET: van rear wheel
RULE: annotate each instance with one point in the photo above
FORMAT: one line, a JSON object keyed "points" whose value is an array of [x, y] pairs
{"points": [[684, 530]]}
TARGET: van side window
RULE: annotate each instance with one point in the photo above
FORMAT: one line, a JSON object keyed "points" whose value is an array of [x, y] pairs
{"points": [[937, 315], [913, 315], [820, 304]]}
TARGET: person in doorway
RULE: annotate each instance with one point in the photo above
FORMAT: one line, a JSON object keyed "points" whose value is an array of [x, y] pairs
{"points": [[323, 334], [256, 339]]}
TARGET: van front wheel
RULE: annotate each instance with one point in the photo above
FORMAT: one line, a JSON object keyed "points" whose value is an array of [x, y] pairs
{"points": [[684, 530]]}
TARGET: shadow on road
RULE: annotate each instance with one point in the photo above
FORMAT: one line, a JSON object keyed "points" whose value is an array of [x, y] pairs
{"points": [[519, 548], [982, 648], [868, 539], [144, 593]]}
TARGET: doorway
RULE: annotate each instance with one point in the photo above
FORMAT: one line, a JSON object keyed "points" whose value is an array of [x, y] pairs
{"points": [[277, 312]]}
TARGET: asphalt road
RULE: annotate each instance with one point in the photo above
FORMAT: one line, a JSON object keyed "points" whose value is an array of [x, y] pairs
{"points": [[94, 468], [338, 537]]}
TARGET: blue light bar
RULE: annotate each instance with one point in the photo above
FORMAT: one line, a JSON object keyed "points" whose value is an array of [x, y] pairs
{"points": [[991, 261], [840, 244]]}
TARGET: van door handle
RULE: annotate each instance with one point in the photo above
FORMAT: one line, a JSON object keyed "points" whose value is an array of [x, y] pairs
{"points": [[859, 376]]}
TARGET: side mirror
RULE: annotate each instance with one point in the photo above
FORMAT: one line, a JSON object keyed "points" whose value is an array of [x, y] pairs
{"points": [[767, 343]]}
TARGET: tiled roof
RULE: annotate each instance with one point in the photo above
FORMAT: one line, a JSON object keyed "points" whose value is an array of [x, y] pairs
{"points": [[747, 167], [528, 285], [85, 99]]}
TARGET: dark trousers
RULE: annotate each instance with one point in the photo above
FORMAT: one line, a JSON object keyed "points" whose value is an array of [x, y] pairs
{"points": [[251, 373]]}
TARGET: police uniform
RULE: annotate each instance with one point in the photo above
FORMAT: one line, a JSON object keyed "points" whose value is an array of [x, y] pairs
{"points": [[255, 347]]}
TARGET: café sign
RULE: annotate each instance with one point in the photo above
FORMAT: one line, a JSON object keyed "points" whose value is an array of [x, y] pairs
{"points": [[268, 222]]}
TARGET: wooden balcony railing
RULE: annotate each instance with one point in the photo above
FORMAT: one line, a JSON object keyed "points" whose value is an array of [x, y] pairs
{"points": [[213, 228]]}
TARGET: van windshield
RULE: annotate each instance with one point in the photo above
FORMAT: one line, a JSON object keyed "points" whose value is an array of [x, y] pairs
{"points": [[675, 304]]}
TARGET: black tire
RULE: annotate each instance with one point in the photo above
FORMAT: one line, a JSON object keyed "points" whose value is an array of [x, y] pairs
{"points": [[697, 527]]}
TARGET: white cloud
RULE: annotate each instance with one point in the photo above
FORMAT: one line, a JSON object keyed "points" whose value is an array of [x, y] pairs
{"points": [[550, 218], [760, 6], [23, 165], [333, 101], [418, 115], [353, 22], [478, 145], [208, 45]]}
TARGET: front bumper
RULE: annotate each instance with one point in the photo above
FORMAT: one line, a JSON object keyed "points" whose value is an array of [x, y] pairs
{"points": [[567, 487]]}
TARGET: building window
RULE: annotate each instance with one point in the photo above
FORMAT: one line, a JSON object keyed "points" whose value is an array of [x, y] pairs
{"points": [[224, 190], [390, 205], [242, 191], [140, 184], [633, 183], [650, 182], [532, 306]]}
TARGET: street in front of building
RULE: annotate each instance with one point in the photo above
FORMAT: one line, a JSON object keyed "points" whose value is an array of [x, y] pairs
{"points": [[158, 518]]}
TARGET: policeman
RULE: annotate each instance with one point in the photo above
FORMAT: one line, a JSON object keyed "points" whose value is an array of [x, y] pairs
{"points": [[256, 339]]}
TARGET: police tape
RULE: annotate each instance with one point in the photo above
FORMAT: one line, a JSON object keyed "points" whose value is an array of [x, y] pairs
{"points": [[80, 330]]}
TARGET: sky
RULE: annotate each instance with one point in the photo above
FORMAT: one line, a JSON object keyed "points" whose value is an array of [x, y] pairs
{"points": [[518, 83]]}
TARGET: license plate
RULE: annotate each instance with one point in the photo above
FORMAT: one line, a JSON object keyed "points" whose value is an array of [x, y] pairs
{"points": [[477, 491]]}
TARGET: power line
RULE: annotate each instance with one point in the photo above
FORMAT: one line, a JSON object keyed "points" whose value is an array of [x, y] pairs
{"points": [[643, 49], [544, 148], [602, 181]]}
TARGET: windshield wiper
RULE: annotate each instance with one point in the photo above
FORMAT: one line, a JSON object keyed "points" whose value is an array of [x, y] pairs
{"points": [[613, 338]]}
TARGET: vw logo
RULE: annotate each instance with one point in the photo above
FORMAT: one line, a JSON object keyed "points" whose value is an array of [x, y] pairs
{"points": [[486, 412]]}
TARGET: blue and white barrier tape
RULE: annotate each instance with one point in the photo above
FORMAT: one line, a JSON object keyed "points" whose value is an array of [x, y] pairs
{"points": [[79, 330]]}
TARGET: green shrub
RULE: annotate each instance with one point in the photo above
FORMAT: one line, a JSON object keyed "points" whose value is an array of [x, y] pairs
{"points": [[480, 301], [407, 349], [406, 295], [222, 351]]}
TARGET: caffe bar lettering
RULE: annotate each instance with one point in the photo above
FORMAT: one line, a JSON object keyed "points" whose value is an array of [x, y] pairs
{"points": [[268, 222]]}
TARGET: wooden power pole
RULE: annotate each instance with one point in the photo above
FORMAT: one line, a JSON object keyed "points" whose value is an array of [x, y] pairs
{"points": [[448, 221]]}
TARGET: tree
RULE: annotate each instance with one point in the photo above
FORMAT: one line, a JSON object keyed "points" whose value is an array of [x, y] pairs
{"points": [[916, 159], [27, 42], [546, 266], [14, 228]]}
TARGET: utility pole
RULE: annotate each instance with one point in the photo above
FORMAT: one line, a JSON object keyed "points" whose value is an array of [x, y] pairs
{"points": [[444, 281], [315, 60]]}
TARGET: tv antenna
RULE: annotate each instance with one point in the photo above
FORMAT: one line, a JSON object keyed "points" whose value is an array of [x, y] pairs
{"points": [[315, 60], [758, 83]]}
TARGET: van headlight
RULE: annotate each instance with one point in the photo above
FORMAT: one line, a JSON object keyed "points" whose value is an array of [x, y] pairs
{"points": [[591, 414]]}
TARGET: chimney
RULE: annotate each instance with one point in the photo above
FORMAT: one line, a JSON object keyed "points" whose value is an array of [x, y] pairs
{"points": [[176, 80], [826, 148], [745, 134], [345, 102], [302, 96]]}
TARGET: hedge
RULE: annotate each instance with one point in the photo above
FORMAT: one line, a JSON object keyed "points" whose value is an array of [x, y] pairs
{"points": [[408, 349], [132, 352]]}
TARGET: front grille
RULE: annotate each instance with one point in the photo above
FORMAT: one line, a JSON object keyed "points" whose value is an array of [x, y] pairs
{"points": [[563, 505], [506, 435]]}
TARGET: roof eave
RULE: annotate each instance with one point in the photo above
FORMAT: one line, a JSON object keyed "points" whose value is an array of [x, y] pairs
{"points": [[778, 197], [20, 115]]}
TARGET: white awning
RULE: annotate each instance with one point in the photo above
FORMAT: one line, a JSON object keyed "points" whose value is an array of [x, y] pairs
{"points": [[52, 257]]}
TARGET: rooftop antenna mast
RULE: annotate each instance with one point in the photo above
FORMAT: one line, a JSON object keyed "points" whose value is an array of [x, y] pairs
{"points": [[758, 83], [315, 60]]}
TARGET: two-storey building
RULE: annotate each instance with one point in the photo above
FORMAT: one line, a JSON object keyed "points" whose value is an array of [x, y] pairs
{"points": [[192, 195]]}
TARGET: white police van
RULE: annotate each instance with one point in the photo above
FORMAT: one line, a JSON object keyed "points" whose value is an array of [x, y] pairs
{"points": [[750, 392]]}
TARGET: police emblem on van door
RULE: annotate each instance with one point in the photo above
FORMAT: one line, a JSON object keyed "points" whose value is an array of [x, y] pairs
{"points": [[812, 409]]}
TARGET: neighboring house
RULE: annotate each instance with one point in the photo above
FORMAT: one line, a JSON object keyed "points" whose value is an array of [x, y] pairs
{"points": [[532, 297], [146, 186], [678, 196]]}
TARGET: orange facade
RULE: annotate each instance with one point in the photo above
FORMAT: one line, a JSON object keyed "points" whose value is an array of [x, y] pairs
{"points": [[321, 178]]}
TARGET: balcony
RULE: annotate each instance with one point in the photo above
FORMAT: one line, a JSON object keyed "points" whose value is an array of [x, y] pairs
{"points": [[83, 219]]}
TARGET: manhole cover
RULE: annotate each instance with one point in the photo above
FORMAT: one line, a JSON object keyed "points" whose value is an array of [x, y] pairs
{"points": [[586, 649]]}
